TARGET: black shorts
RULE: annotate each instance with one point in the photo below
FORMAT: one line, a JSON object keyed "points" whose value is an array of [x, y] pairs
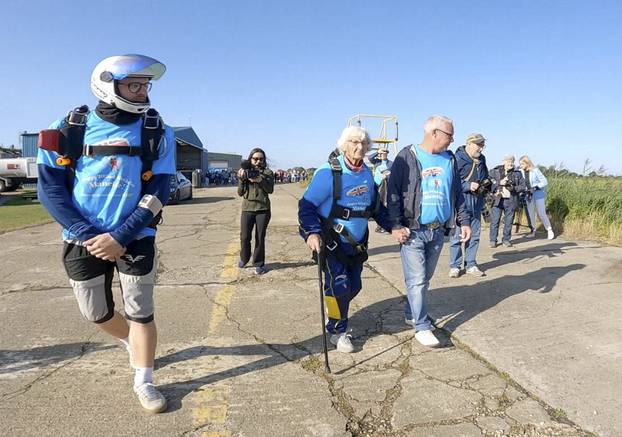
{"points": [[91, 279]]}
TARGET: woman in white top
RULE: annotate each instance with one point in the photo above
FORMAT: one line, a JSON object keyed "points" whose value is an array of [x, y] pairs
{"points": [[536, 186]]}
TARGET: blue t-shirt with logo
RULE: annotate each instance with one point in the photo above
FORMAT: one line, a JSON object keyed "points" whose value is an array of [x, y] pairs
{"points": [[357, 193], [436, 180], [107, 189]]}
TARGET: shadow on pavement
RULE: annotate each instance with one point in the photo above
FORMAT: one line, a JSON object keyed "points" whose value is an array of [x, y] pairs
{"points": [[290, 265], [458, 304], [503, 256], [392, 247], [197, 200], [19, 360]]}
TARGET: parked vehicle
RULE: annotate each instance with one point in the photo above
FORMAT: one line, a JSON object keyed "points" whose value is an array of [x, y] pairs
{"points": [[181, 188], [16, 171]]}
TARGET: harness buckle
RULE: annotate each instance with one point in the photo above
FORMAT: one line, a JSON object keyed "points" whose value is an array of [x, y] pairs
{"points": [[345, 215], [77, 117], [152, 119], [338, 228], [87, 150], [332, 246]]}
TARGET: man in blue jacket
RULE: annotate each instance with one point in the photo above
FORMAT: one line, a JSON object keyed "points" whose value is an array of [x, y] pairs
{"points": [[105, 179], [475, 184], [425, 202], [382, 170], [333, 215]]}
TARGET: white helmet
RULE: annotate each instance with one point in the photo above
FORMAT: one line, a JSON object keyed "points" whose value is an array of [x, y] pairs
{"points": [[106, 74]]}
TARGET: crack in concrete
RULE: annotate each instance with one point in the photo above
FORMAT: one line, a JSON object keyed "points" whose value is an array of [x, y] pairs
{"points": [[27, 289], [83, 349]]}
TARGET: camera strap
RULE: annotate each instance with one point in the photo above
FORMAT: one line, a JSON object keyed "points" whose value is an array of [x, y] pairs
{"points": [[470, 175]]}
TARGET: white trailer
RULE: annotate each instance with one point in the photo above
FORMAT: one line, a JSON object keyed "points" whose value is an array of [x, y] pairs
{"points": [[16, 171]]}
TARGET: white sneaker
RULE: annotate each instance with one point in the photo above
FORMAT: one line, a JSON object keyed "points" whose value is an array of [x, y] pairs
{"points": [[454, 272], [150, 398], [427, 338], [551, 234], [474, 271], [342, 342], [411, 322]]}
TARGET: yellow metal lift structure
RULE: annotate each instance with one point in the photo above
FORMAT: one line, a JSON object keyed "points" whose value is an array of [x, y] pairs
{"points": [[382, 141]]}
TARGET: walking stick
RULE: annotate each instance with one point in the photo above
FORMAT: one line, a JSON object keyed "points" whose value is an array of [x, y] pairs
{"points": [[320, 257]]}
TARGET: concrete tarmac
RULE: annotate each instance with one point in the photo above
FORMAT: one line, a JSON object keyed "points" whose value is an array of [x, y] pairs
{"points": [[532, 349]]}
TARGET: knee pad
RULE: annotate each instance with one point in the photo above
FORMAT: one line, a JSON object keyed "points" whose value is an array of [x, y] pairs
{"points": [[94, 300], [138, 296]]}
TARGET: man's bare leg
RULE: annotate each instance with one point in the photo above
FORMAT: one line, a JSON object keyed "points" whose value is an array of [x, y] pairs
{"points": [[117, 326], [143, 340]]}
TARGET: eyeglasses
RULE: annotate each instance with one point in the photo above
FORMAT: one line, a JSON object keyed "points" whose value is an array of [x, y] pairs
{"points": [[451, 137], [258, 159], [357, 142], [135, 87]]}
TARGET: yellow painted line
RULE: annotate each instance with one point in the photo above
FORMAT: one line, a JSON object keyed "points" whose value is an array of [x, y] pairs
{"points": [[212, 406], [222, 299], [212, 402]]}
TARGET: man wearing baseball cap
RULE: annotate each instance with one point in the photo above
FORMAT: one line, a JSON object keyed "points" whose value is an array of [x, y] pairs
{"points": [[475, 184]]}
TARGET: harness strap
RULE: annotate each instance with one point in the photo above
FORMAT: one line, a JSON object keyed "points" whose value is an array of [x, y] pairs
{"points": [[343, 213], [89, 150], [335, 167], [151, 135]]}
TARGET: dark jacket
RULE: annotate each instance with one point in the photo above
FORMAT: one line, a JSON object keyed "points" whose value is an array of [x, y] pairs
{"points": [[255, 194], [465, 164], [404, 193], [515, 185]]}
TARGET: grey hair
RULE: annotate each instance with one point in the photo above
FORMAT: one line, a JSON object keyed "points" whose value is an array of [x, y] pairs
{"points": [[355, 132], [434, 122]]}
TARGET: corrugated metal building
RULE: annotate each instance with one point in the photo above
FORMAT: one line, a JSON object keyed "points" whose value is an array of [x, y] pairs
{"points": [[191, 154], [28, 144], [224, 160]]}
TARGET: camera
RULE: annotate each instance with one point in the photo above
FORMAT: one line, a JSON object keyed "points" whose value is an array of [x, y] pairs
{"points": [[484, 187], [249, 171]]}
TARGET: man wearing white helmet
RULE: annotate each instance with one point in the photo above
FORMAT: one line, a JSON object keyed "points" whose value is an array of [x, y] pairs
{"points": [[104, 176]]}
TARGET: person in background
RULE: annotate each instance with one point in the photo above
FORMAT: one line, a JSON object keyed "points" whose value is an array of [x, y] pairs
{"points": [[255, 185], [382, 170], [536, 184], [507, 184], [475, 185]]}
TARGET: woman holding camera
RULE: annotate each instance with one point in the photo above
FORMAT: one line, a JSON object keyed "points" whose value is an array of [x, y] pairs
{"points": [[255, 183], [536, 194]]}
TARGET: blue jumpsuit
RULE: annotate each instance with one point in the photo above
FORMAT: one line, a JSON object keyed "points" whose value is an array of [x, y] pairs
{"points": [[342, 282]]}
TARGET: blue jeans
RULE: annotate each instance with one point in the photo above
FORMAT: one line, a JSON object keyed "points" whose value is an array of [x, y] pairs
{"points": [[508, 208], [419, 258], [474, 204]]}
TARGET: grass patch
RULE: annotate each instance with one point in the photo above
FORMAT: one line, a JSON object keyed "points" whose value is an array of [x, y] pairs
{"points": [[558, 414], [17, 213], [589, 207]]}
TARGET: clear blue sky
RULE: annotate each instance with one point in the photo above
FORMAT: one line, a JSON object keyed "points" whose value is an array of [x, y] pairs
{"points": [[535, 77]]}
